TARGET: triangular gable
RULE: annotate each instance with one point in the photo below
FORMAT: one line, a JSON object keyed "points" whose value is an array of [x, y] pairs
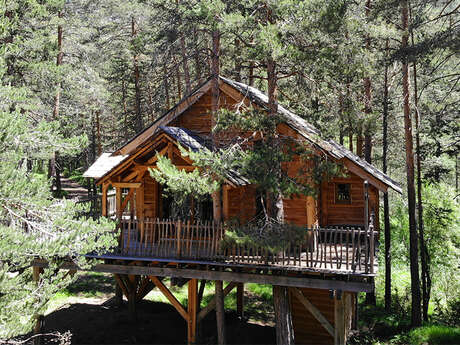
{"points": [[250, 95]]}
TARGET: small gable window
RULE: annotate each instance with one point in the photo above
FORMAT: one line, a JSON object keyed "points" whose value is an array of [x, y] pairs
{"points": [[342, 193]]}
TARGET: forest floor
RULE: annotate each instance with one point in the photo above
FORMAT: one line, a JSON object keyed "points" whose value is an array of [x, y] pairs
{"points": [[86, 310], [72, 189]]}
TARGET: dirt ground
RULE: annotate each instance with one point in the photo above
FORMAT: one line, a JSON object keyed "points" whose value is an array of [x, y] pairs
{"points": [[157, 323]]}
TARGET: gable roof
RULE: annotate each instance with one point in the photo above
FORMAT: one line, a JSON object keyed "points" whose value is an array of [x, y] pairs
{"points": [[297, 123]]}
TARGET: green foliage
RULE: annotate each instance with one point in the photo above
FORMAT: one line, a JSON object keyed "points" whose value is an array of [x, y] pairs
{"points": [[180, 183], [260, 233]]}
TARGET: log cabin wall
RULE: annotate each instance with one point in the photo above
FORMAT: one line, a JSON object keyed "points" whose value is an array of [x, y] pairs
{"points": [[307, 329], [239, 202], [335, 213], [151, 197]]}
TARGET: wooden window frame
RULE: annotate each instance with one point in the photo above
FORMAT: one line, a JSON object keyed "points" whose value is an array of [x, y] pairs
{"points": [[342, 202]]}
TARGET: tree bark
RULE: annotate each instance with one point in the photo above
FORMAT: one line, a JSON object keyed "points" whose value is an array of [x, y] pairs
{"points": [[54, 164], [413, 238], [283, 317], [138, 124], [188, 87], [367, 100], [220, 312], [386, 207], [166, 86], [426, 279]]}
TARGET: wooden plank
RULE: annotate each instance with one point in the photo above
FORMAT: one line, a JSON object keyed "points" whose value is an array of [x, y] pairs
{"points": [[220, 312], [291, 281], [212, 304], [365, 175], [240, 300], [192, 310], [121, 284], [313, 310], [126, 184], [176, 304], [339, 319], [105, 186]]}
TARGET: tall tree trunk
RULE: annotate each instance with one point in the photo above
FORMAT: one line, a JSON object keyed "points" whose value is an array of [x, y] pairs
{"points": [[426, 279], [283, 316], [370, 296], [413, 238], [386, 206], [251, 73], [188, 87], [138, 125], [237, 60], [179, 83], [166, 86], [341, 121], [199, 78], [98, 133], [220, 312], [54, 164], [359, 141], [367, 99]]}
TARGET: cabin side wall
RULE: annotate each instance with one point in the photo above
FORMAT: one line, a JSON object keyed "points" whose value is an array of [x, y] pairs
{"points": [[334, 213], [307, 329]]}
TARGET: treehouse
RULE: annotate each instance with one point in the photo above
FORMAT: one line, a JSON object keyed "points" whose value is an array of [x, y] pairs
{"points": [[322, 272]]}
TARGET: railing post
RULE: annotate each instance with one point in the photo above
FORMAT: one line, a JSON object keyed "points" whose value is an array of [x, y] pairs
{"points": [[372, 244], [178, 231], [366, 225]]}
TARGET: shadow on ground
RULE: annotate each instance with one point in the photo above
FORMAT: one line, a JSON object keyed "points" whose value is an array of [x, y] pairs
{"points": [[157, 323]]}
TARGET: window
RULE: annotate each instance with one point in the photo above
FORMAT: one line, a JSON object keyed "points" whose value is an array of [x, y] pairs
{"points": [[342, 193]]}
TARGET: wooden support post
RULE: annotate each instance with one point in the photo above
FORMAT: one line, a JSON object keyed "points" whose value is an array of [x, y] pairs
{"points": [[240, 300], [105, 186], [200, 293], [283, 317], [217, 206], [339, 319], [192, 310], [220, 312], [118, 295], [118, 202], [39, 318]]}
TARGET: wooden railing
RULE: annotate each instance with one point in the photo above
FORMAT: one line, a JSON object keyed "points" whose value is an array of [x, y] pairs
{"points": [[336, 249]]}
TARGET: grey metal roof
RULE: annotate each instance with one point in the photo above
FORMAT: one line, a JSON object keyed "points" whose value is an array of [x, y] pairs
{"points": [[311, 133], [194, 142], [104, 164], [185, 137]]}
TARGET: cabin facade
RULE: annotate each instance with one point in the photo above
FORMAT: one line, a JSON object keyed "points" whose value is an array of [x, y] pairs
{"points": [[157, 239]]}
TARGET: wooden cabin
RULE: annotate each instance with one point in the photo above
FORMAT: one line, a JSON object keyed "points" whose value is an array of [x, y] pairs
{"points": [[323, 275]]}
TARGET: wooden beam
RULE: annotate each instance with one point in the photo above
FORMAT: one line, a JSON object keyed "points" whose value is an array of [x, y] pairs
{"points": [[192, 310], [240, 300], [339, 319], [162, 152], [118, 203], [104, 188], [313, 310], [173, 300], [283, 316], [271, 279], [352, 167], [126, 184], [220, 312], [212, 304], [121, 284]]}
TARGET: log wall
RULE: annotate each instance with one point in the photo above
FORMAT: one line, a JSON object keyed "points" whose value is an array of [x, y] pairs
{"points": [[333, 213], [307, 329]]}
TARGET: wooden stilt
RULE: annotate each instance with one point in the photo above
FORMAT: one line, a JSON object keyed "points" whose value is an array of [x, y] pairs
{"points": [[201, 292], [283, 317], [39, 318], [339, 319], [220, 313], [118, 294], [192, 310], [240, 300]]}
